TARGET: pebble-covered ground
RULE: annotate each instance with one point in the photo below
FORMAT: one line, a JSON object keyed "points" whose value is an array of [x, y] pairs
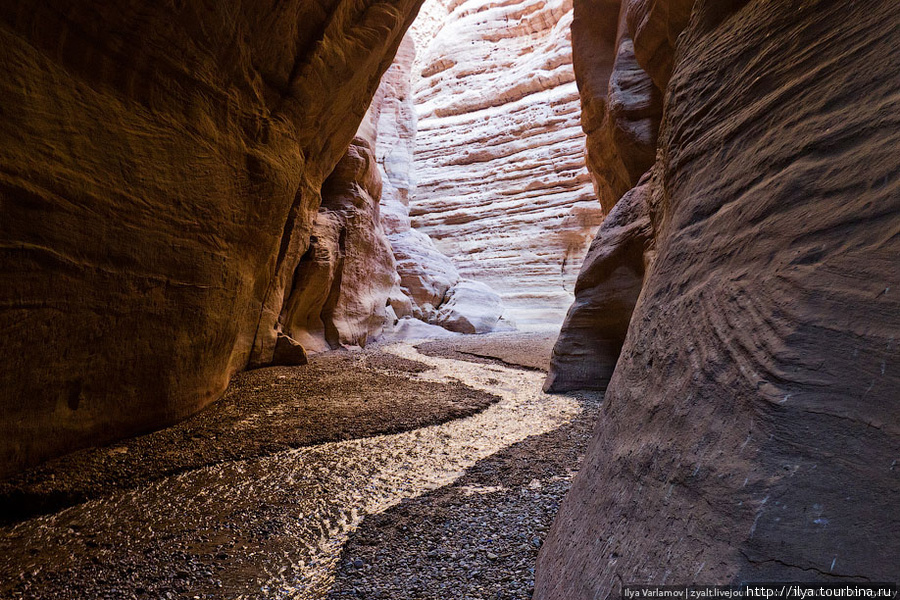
{"points": [[455, 509], [340, 395], [475, 539]]}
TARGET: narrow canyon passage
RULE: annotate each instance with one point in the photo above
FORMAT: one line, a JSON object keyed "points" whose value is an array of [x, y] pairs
{"points": [[275, 526], [227, 228]]}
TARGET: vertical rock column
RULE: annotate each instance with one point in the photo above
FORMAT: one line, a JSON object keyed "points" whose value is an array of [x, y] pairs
{"points": [[426, 274], [343, 281], [621, 118], [430, 287]]}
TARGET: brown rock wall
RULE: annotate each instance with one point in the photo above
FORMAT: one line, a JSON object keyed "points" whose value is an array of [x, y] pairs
{"points": [[606, 292], [620, 104], [161, 166], [621, 119], [342, 282], [655, 26], [750, 430]]}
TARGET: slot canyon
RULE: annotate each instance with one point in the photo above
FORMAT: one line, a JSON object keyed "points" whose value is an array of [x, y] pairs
{"points": [[449, 299]]}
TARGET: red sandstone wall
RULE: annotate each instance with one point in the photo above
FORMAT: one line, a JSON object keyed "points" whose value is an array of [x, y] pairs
{"points": [[160, 168], [751, 427]]}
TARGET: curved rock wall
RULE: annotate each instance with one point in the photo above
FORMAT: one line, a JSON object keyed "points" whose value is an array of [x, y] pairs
{"points": [[621, 111], [751, 428], [590, 340], [501, 183], [161, 168], [621, 106], [343, 281]]}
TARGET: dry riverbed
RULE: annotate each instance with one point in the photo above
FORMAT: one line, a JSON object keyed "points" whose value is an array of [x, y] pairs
{"points": [[382, 473]]}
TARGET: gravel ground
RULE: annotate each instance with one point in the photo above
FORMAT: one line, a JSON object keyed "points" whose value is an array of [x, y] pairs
{"points": [[338, 396], [475, 539], [454, 509]]}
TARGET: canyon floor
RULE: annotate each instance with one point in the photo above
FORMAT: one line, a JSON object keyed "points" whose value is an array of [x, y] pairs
{"points": [[405, 470]]}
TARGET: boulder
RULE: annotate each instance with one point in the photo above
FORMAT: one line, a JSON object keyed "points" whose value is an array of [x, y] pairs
{"points": [[410, 328], [470, 307], [289, 352], [425, 273]]}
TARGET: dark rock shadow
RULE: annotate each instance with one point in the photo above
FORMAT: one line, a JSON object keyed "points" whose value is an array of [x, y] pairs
{"points": [[477, 538]]}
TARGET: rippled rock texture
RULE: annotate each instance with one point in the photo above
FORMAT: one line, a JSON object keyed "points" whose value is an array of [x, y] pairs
{"points": [[751, 429], [161, 172], [499, 160]]}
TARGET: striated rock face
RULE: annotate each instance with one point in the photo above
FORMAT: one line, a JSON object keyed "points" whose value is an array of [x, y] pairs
{"points": [[430, 288], [751, 427], [161, 168], [501, 183]]}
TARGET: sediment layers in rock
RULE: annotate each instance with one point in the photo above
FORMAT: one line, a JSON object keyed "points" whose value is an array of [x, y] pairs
{"points": [[161, 168], [751, 427], [429, 284], [501, 183]]}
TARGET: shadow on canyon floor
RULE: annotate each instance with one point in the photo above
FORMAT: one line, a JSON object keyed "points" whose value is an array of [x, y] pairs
{"points": [[454, 510], [264, 411], [477, 538]]}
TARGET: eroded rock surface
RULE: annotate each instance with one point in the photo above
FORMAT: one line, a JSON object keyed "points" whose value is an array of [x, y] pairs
{"points": [[343, 281], [621, 110], [425, 273], [161, 169], [608, 286], [430, 288], [751, 428], [501, 182], [621, 106]]}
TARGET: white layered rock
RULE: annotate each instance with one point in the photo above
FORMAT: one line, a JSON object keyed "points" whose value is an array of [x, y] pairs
{"points": [[501, 185], [429, 287]]}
